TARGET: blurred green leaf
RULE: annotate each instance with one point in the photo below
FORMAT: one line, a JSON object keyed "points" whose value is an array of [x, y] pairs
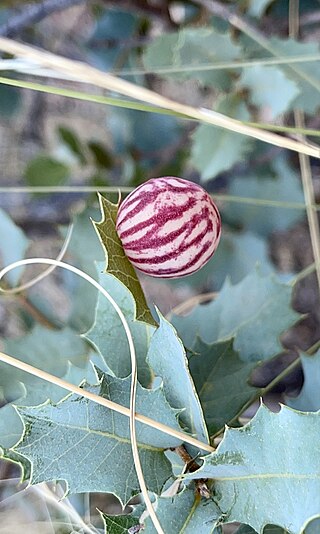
{"points": [[73, 142], [215, 150], [103, 159], [44, 170], [285, 186], [306, 74], [269, 89], [13, 245], [258, 7], [85, 249], [189, 48], [107, 44]]}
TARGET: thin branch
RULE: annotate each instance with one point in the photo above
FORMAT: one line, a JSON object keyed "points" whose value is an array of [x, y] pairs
{"points": [[87, 74], [33, 13]]}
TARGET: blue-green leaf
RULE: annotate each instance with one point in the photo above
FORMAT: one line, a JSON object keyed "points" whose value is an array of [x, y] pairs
{"points": [[215, 150], [89, 447], [274, 455], [308, 399], [168, 360], [246, 311]]}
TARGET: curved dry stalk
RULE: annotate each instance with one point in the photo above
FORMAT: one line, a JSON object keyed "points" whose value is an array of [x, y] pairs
{"points": [[87, 74], [12, 361]]}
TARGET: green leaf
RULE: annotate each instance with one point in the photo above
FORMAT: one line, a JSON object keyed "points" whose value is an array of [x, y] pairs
{"points": [[185, 514], [189, 48], [269, 88], [118, 524], [44, 170], [109, 337], [285, 186], [102, 157], [72, 141], [62, 353], [50, 349], [245, 311], [305, 74], [274, 455], [308, 399], [238, 253], [216, 150], [10, 233], [117, 263], [89, 447], [168, 360], [85, 249], [35, 392], [222, 382]]}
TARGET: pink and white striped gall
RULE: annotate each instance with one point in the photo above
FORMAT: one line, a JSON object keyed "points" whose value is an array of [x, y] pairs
{"points": [[169, 227]]}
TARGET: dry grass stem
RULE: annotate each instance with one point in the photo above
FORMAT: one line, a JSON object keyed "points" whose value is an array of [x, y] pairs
{"points": [[93, 76]]}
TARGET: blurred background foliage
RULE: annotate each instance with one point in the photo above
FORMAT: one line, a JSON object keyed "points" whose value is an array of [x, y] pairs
{"points": [[191, 54]]}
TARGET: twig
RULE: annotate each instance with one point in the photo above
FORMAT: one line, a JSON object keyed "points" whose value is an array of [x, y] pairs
{"points": [[33, 13]]}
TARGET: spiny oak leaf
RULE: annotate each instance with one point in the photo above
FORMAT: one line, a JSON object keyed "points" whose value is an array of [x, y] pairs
{"points": [[88, 445], [254, 467], [255, 311]]}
